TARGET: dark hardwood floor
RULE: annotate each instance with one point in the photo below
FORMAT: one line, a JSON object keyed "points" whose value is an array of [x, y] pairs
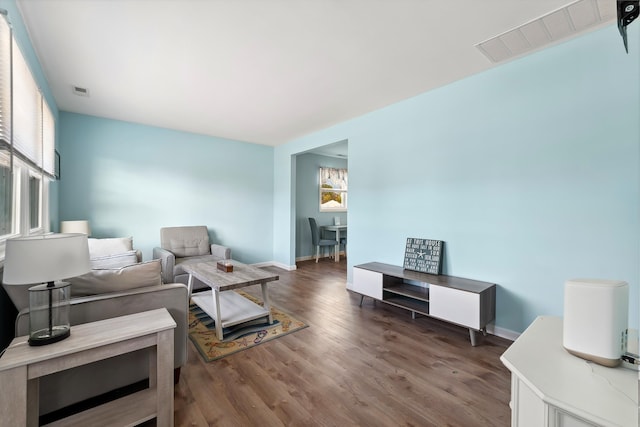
{"points": [[353, 366]]}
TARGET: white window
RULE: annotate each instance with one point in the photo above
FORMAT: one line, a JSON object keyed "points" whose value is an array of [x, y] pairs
{"points": [[333, 190], [27, 145]]}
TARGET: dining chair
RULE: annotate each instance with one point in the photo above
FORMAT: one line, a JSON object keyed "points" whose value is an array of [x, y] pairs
{"points": [[316, 240]]}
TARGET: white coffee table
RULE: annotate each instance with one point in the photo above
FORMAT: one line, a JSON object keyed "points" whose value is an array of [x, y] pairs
{"points": [[230, 309]]}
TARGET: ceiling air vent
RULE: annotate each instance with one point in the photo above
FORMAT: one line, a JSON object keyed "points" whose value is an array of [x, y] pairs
{"points": [[554, 26], [80, 91]]}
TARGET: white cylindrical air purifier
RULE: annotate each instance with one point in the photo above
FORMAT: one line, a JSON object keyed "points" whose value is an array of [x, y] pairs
{"points": [[596, 316]]}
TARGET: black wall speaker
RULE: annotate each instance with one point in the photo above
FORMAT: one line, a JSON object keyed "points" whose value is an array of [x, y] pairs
{"points": [[628, 10]]}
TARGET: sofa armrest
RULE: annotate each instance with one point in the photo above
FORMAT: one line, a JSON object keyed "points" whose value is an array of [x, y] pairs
{"points": [[220, 251], [92, 308], [167, 263]]}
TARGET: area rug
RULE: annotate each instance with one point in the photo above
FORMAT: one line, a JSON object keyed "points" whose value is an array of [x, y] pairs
{"points": [[202, 331]]}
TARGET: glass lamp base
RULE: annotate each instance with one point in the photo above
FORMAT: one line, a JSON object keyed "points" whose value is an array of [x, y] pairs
{"points": [[46, 336], [49, 313]]}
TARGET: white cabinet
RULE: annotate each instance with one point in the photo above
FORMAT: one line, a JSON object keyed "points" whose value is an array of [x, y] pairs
{"points": [[367, 282], [531, 410], [455, 306], [552, 388], [465, 302]]}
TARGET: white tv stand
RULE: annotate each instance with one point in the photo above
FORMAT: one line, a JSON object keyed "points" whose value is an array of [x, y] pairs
{"points": [[465, 302]]}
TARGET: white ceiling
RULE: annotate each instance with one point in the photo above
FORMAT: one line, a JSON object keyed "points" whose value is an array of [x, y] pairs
{"points": [[262, 71]]}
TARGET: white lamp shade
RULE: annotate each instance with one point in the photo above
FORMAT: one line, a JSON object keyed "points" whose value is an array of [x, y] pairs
{"points": [[81, 226], [46, 258]]}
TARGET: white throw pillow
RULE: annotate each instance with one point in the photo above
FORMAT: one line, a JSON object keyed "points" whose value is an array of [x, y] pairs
{"points": [[114, 261], [111, 246], [119, 279]]}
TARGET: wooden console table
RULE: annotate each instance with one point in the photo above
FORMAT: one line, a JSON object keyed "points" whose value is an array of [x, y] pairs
{"points": [[22, 365], [465, 302]]}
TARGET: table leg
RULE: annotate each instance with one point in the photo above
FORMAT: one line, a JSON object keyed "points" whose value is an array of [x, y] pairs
{"points": [[164, 378], [216, 302], [189, 285], [14, 405], [337, 248], [473, 335], [265, 298]]}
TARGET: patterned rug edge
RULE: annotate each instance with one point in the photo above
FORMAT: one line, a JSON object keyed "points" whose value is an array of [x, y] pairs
{"points": [[240, 343], [208, 359]]}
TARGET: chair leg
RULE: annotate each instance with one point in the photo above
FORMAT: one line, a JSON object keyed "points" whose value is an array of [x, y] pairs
{"points": [[317, 253]]}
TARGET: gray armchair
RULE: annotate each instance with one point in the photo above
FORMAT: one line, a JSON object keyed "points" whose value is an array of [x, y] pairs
{"points": [[186, 245]]}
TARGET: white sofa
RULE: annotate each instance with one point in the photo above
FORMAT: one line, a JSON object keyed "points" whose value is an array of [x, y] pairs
{"points": [[118, 285]]}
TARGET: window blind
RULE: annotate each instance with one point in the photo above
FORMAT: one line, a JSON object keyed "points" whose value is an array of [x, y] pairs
{"points": [[27, 111], [5, 83], [27, 123]]}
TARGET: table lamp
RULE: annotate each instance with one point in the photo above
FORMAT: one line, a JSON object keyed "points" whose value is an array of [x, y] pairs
{"points": [[81, 226], [45, 260]]}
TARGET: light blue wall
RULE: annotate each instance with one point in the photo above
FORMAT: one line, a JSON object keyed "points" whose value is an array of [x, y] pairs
{"points": [[529, 172], [131, 179], [307, 199]]}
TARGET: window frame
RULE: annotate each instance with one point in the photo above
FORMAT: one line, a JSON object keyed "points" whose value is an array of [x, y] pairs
{"points": [[29, 155], [37, 216], [327, 186]]}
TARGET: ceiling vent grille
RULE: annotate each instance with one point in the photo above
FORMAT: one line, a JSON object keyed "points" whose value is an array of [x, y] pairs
{"points": [[550, 28], [80, 91]]}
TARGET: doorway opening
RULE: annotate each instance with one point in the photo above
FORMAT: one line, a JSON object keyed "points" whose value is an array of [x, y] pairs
{"points": [[308, 200]]}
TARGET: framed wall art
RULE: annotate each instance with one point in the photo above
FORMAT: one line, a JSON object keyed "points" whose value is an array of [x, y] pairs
{"points": [[423, 255]]}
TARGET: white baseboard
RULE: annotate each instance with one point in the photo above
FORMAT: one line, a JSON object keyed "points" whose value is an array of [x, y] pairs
{"points": [[313, 257], [275, 264], [502, 332], [290, 267]]}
